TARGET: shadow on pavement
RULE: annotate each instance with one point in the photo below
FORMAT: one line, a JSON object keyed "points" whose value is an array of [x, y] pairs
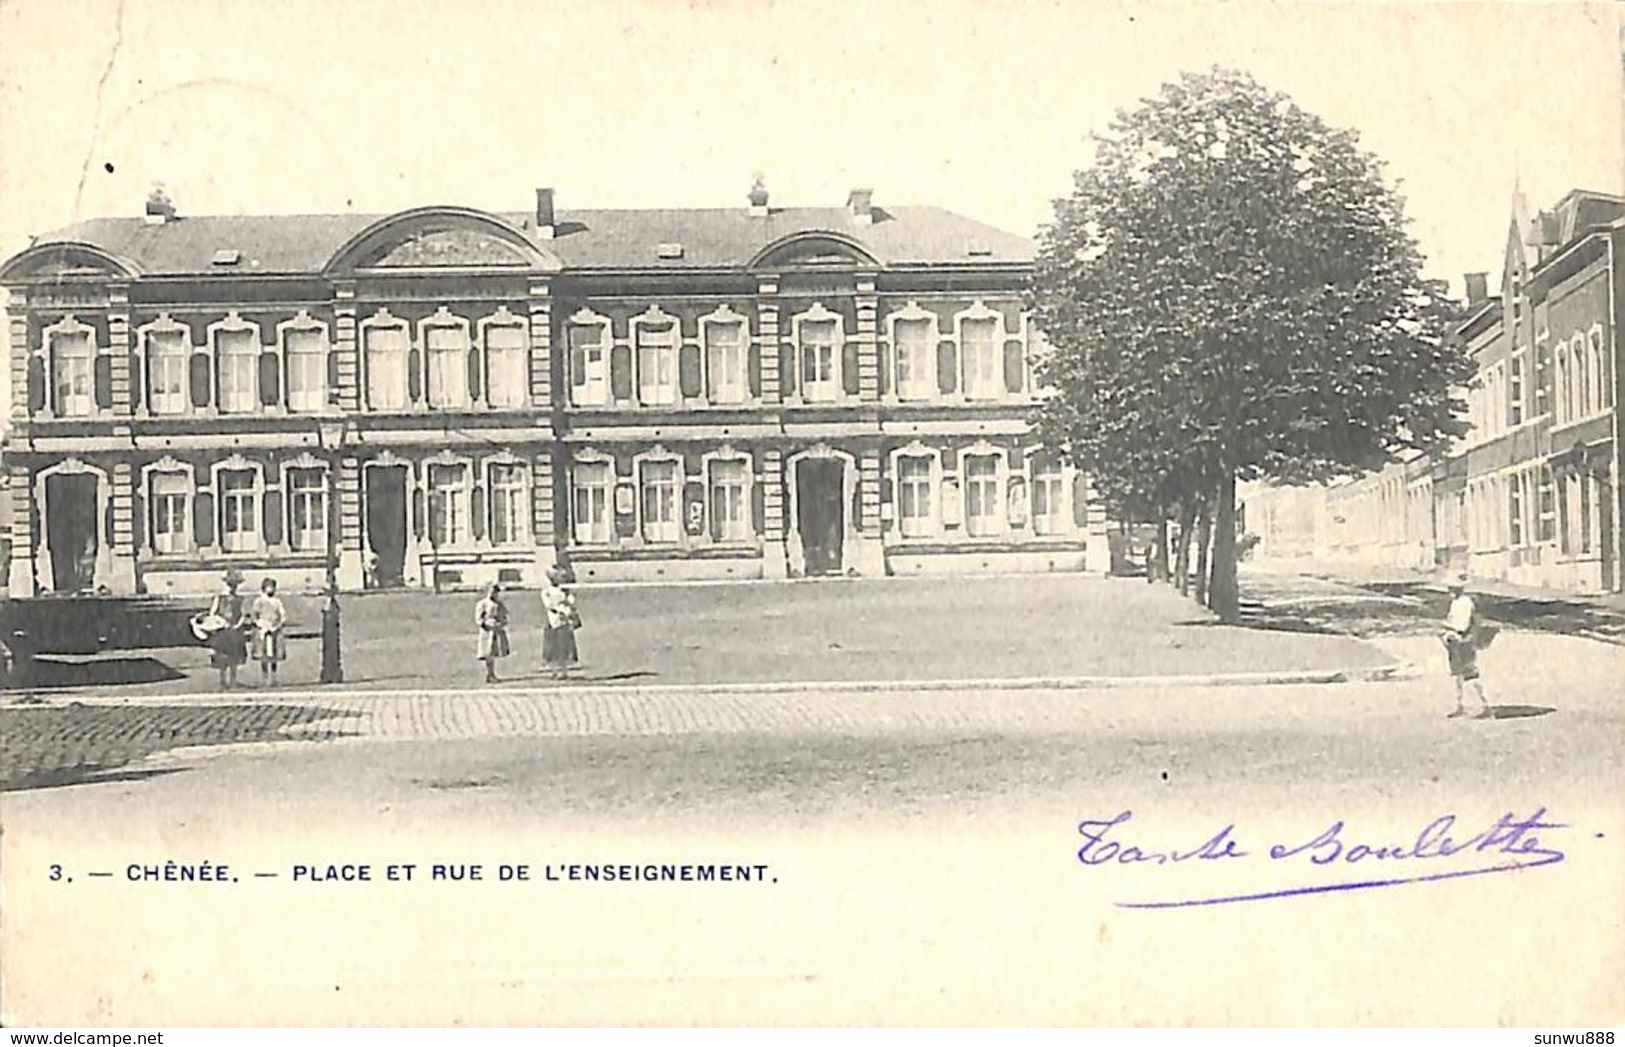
{"points": [[1519, 712], [46, 674], [1553, 615], [80, 774]]}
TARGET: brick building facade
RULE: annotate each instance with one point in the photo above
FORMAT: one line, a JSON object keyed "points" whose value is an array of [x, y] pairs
{"points": [[451, 396], [1532, 494]]}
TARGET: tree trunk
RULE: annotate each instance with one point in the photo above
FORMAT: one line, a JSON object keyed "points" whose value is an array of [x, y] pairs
{"points": [[1225, 593], [1182, 561], [1204, 545], [1162, 548]]}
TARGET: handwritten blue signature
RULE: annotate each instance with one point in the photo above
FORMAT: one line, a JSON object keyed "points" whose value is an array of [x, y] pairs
{"points": [[1510, 844]]}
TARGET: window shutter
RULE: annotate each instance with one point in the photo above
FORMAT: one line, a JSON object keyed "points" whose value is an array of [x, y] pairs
{"points": [[104, 381], [474, 375], [203, 519], [787, 369], [1080, 500], [578, 365], [714, 511], [753, 370], [884, 361], [689, 370], [849, 368], [758, 508], [138, 519], [414, 376], [138, 381], [36, 385], [947, 368], [272, 522], [107, 524], [332, 375], [270, 379], [418, 515], [809, 368], [1013, 366], [202, 380], [477, 513], [620, 372]]}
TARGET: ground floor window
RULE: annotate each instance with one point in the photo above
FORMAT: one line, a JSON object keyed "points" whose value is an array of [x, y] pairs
{"points": [[507, 482], [307, 510], [448, 504], [1048, 493], [983, 507], [914, 512], [589, 501], [171, 513], [239, 519], [730, 512], [660, 485]]}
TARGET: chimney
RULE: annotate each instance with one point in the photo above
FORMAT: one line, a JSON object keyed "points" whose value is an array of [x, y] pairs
{"points": [[1478, 287], [858, 202], [544, 214], [160, 208], [758, 197]]}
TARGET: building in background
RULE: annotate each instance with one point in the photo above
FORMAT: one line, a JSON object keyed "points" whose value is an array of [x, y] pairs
{"points": [[447, 396], [1532, 494]]}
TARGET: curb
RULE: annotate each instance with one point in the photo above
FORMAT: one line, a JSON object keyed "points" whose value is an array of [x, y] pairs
{"points": [[1378, 674]]}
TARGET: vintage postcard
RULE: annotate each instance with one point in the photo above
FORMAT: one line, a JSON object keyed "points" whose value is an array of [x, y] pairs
{"points": [[776, 514]]}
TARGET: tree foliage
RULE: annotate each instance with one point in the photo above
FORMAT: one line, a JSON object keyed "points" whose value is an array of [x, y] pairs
{"points": [[1231, 292]]}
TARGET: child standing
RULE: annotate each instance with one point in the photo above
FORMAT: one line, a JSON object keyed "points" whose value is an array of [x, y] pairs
{"points": [[491, 615], [559, 652], [269, 615], [1461, 646]]}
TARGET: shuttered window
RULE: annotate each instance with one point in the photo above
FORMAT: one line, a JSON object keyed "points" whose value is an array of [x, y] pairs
{"points": [[237, 359], [307, 510], [820, 360], [1048, 495], [589, 502], [660, 485], [507, 374], [507, 503], [447, 347], [916, 362], [984, 510], [171, 496], [239, 510], [167, 356], [305, 351], [914, 509], [984, 366], [730, 510], [657, 363], [72, 373], [385, 350], [725, 359]]}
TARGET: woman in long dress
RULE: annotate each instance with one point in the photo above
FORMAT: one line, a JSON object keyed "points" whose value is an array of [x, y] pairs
{"points": [[559, 652], [229, 643], [491, 615]]}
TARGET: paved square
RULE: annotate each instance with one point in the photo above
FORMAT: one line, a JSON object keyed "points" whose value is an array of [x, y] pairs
{"points": [[994, 628]]}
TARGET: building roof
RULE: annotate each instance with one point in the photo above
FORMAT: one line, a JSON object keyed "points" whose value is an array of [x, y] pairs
{"points": [[598, 239]]}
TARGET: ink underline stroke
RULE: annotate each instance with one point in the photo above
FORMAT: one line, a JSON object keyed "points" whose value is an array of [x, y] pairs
{"points": [[1548, 858]]}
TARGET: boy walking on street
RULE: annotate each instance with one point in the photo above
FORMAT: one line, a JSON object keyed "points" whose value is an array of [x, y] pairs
{"points": [[1461, 645]]}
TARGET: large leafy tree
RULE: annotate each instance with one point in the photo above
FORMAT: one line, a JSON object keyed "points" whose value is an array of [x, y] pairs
{"points": [[1230, 293]]}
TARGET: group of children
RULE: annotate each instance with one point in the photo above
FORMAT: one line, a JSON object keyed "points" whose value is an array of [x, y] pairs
{"points": [[559, 651]]}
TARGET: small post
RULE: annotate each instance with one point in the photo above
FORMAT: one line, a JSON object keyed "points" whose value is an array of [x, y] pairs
{"points": [[332, 643]]}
